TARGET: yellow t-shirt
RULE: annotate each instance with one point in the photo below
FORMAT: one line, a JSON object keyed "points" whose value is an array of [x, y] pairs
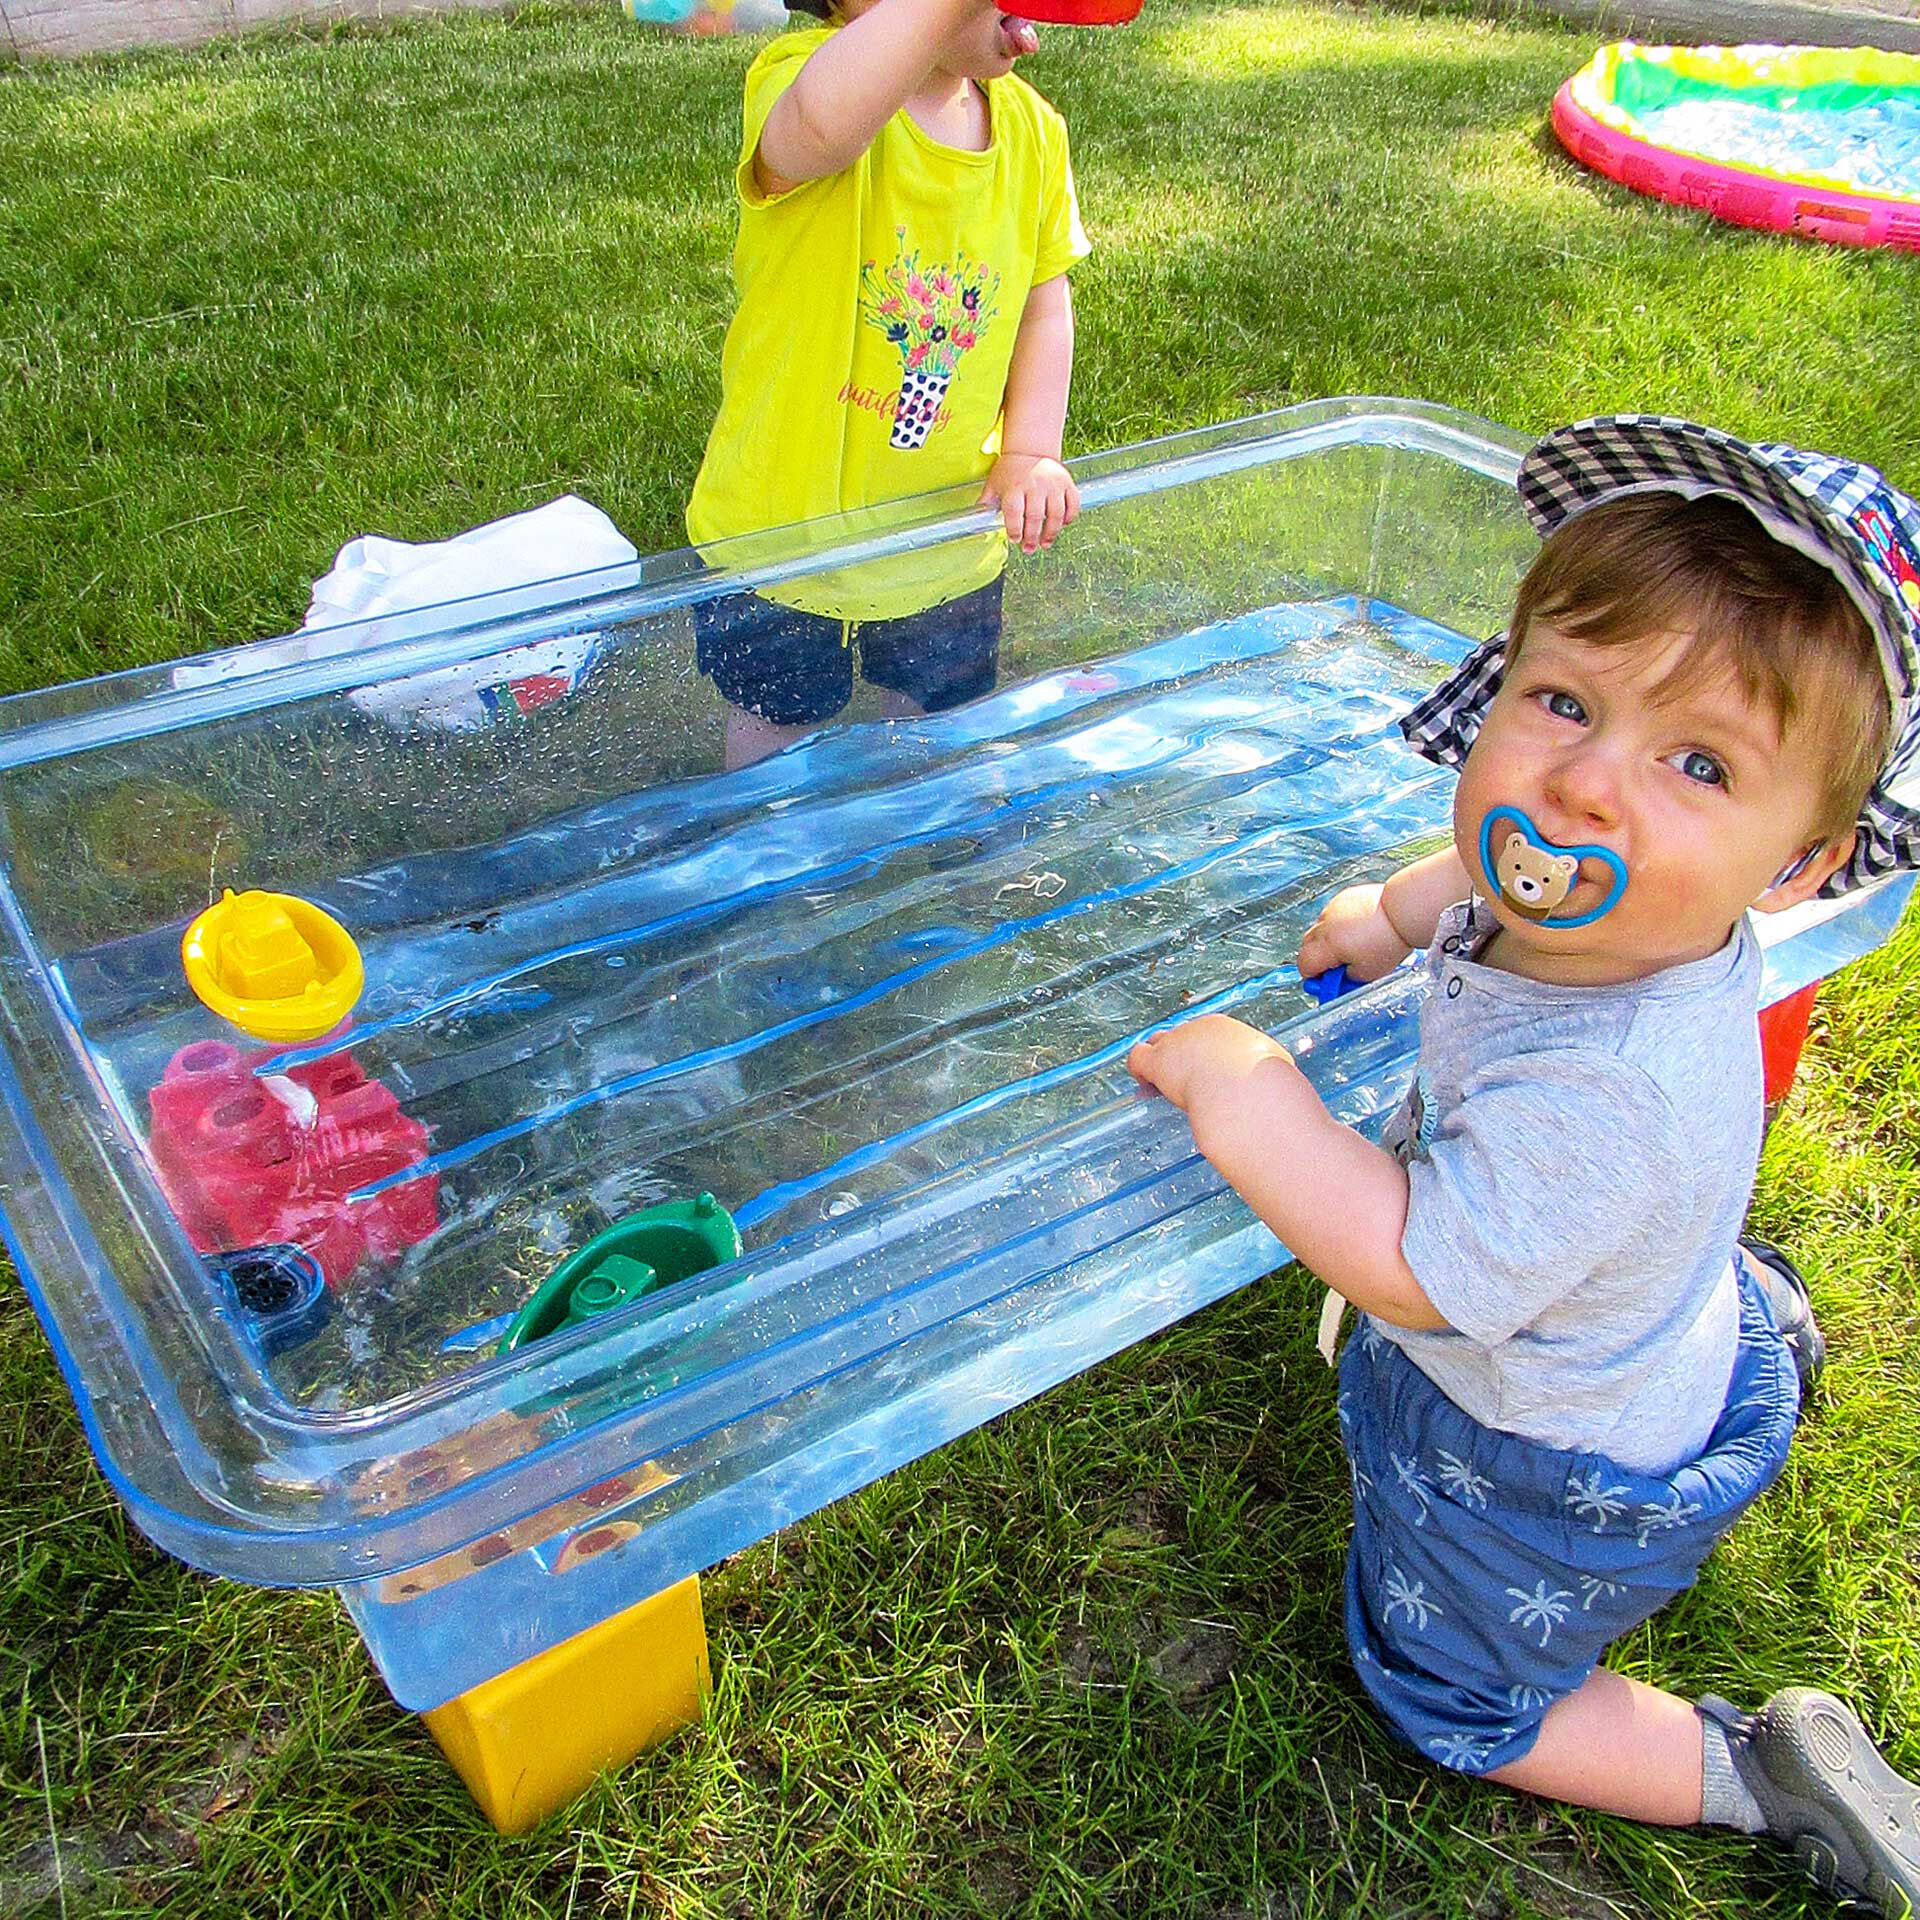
{"points": [[868, 354]]}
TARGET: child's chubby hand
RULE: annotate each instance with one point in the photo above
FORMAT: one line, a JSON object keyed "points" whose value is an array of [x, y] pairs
{"points": [[1204, 1057], [1353, 931], [1036, 497]]}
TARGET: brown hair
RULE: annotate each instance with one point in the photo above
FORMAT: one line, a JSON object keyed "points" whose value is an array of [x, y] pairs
{"points": [[1648, 564]]}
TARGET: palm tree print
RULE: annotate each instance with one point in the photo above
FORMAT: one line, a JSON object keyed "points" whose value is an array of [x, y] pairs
{"points": [[1540, 1608], [1662, 1516], [1460, 1480], [1465, 1752], [1408, 1473], [1412, 1595], [1589, 1499]]}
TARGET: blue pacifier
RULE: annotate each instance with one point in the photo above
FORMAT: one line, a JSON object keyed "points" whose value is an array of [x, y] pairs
{"points": [[1532, 876]]}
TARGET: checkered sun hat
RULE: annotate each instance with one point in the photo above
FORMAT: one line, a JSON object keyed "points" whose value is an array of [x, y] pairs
{"points": [[1837, 512]]}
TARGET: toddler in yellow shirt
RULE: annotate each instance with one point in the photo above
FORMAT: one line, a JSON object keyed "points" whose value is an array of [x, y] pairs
{"points": [[907, 218]]}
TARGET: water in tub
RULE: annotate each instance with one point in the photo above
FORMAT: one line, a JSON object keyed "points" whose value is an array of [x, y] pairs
{"points": [[813, 984]]}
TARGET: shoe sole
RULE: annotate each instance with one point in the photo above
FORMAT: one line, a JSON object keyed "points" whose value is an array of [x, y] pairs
{"points": [[1830, 1776], [1805, 1341]]}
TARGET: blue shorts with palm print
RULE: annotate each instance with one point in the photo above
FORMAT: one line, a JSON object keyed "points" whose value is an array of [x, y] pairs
{"points": [[1488, 1573]]}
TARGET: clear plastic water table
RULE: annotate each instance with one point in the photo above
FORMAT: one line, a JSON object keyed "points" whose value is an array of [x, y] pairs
{"points": [[872, 994]]}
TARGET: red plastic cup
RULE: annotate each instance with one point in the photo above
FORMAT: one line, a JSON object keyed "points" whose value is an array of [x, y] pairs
{"points": [[1076, 13]]}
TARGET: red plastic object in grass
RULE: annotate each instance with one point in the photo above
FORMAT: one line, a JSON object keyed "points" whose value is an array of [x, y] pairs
{"points": [[247, 1162], [1783, 1032]]}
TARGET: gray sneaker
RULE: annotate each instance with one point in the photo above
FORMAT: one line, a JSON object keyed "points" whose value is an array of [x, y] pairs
{"points": [[1852, 1821], [1792, 1307]]}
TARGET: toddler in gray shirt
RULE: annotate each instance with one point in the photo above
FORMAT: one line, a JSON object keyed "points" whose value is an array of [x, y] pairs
{"points": [[1579, 1161], [1568, 1380]]}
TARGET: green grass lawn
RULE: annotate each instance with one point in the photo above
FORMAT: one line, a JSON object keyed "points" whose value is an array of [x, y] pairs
{"points": [[259, 298]]}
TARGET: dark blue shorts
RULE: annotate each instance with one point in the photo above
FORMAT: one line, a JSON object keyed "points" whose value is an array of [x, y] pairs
{"points": [[1488, 1573], [795, 668]]}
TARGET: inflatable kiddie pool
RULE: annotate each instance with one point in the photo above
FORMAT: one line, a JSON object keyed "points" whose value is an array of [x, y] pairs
{"points": [[1818, 141]]}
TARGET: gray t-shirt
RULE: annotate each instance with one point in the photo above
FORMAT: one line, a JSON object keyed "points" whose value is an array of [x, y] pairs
{"points": [[1579, 1162]]}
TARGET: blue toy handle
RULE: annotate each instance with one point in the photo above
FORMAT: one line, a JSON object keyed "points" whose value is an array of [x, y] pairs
{"points": [[1329, 986]]}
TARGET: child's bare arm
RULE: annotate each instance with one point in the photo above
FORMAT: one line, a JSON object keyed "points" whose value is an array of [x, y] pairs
{"points": [[1040, 372], [1035, 492], [850, 88], [1370, 930], [1338, 1202]]}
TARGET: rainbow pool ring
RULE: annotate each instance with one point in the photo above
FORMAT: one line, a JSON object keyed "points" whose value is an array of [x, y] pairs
{"points": [[1601, 113]]}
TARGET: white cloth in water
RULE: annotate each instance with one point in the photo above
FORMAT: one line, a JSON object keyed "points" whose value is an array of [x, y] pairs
{"points": [[374, 579], [386, 590]]}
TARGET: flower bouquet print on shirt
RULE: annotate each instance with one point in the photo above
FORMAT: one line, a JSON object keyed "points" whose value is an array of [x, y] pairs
{"points": [[935, 316]]}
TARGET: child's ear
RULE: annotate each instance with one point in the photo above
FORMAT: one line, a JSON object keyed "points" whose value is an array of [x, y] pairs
{"points": [[1806, 874]]}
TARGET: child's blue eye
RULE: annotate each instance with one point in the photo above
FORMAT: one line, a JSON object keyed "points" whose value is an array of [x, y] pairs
{"points": [[1563, 706], [1701, 767]]}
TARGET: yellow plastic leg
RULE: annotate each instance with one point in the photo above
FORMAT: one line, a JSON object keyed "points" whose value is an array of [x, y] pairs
{"points": [[528, 1740]]}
